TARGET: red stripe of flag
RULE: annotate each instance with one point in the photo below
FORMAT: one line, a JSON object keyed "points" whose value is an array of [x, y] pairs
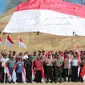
{"points": [[54, 5], [9, 39]]}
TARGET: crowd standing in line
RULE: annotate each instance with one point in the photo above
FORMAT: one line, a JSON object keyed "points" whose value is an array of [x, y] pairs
{"points": [[42, 66]]}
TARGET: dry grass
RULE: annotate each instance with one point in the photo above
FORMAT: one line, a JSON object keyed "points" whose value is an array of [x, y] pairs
{"points": [[42, 41]]}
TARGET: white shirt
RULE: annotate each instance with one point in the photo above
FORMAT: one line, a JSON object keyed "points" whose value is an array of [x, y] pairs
{"points": [[4, 60], [75, 62], [25, 57]]}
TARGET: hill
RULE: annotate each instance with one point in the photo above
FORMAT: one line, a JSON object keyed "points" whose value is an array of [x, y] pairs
{"points": [[42, 41]]}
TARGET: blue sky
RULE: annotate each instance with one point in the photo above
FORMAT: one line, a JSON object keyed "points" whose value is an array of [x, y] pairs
{"points": [[4, 4], [76, 1]]}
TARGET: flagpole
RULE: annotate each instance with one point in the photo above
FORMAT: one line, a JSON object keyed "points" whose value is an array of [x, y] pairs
{"points": [[4, 75], [18, 44], [5, 43], [5, 46], [4, 66]]}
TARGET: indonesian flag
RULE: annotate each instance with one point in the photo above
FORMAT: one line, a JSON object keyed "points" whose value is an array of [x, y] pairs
{"points": [[33, 71], [1, 41], [82, 74], [42, 72], [48, 16], [47, 53], [21, 44], [79, 59], [6, 70], [14, 76], [23, 74], [9, 41]]}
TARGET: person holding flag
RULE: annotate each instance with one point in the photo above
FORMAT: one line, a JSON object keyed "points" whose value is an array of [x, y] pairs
{"points": [[38, 67], [19, 64], [4, 67], [82, 70], [11, 67], [4, 60], [28, 68]]}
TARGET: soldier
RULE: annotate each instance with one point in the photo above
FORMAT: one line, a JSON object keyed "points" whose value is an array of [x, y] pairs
{"points": [[66, 67], [34, 56], [83, 59], [58, 68], [49, 64], [28, 67], [75, 69], [4, 61]]}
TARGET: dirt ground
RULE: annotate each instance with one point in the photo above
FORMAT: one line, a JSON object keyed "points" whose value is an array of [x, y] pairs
{"points": [[66, 83], [43, 41]]}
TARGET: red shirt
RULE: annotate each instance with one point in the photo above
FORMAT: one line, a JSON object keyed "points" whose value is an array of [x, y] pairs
{"points": [[38, 65]]}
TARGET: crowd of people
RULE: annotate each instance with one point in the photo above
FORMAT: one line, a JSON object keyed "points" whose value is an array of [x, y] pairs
{"points": [[42, 66]]}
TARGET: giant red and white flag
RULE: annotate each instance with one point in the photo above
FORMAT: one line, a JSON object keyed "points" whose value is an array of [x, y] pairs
{"points": [[9, 41], [48, 16], [21, 43]]}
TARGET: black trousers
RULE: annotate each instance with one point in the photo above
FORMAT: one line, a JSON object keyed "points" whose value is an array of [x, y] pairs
{"points": [[19, 77], [67, 74], [54, 73], [80, 78], [74, 73], [49, 73], [58, 73], [29, 75], [38, 76], [3, 75], [45, 69]]}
